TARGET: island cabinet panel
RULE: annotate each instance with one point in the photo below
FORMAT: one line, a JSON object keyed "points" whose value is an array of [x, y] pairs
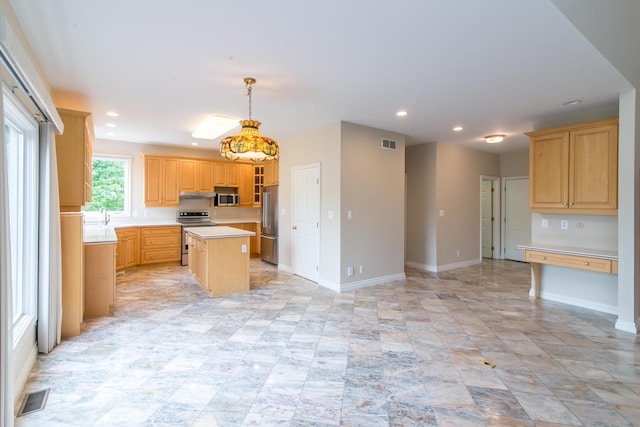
{"points": [[74, 156], [161, 186], [127, 248], [219, 259], [160, 244], [575, 169]]}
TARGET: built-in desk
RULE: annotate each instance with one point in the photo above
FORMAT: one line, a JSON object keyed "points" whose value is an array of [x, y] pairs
{"points": [[601, 261]]}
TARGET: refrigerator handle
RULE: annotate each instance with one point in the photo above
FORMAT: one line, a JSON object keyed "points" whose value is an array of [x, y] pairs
{"points": [[266, 201]]}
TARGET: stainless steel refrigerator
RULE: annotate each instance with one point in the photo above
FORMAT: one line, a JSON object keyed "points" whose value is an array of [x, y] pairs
{"points": [[269, 230]]}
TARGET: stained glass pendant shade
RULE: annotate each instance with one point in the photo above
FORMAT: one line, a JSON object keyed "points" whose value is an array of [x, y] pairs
{"points": [[249, 144]]}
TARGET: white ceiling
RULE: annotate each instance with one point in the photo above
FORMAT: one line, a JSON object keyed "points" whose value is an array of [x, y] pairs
{"points": [[491, 66]]}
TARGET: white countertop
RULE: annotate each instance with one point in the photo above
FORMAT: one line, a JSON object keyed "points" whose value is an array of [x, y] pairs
{"points": [[99, 234], [218, 232], [143, 223], [570, 250], [236, 221]]}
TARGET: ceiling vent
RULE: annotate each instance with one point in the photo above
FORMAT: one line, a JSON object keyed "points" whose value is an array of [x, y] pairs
{"points": [[389, 144]]}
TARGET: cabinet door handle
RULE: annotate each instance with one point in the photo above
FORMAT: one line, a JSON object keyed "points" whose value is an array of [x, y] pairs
{"points": [[564, 203], [586, 263], [294, 228], [544, 258], [571, 204]]}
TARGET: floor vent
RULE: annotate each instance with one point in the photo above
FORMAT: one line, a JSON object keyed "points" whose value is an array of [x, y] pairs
{"points": [[389, 144], [34, 402], [448, 296]]}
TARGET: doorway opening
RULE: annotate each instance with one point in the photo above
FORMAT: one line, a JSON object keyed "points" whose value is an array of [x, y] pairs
{"points": [[489, 212]]}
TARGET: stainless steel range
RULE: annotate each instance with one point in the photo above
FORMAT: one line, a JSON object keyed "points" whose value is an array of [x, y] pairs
{"points": [[191, 219]]}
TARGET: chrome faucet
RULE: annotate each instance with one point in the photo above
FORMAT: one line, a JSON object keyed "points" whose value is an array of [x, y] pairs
{"points": [[107, 217]]}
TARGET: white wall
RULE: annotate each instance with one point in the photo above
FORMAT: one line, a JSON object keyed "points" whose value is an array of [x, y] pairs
{"points": [[420, 161], [514, 164], [316, 146], [138, 210], [372, 183], [458, 195]]}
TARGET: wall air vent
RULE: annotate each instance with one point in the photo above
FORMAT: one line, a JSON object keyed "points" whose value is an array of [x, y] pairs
{"points": [[389, 144]]}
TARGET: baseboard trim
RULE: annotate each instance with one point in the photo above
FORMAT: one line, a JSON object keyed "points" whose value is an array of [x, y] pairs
{"points": [[605, 308], [371, 282], [632, 327]]}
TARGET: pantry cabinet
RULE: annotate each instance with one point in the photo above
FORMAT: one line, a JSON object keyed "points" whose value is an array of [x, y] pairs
{"points": [[74, 156], [574, 169], [161, 181]]}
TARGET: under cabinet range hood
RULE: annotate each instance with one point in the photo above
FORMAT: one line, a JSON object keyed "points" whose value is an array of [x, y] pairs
{"points": [[196, 195]]}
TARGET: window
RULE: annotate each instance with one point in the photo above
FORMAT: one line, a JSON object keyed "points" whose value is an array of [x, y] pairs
{"points": [[111, 185], [21, 141]]}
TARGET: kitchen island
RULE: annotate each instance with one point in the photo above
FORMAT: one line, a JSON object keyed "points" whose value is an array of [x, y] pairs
{"points": [[219, 258]]}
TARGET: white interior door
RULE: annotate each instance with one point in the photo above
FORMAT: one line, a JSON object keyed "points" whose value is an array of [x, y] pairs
{"points": [[517, 217], [487, 219], [305, 222]]}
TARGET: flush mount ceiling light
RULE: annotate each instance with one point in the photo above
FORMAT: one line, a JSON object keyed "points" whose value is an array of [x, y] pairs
{"points": [[492, 139], [457, 128], [401, 113], [573, 102], [215, 126], [249, 144]]}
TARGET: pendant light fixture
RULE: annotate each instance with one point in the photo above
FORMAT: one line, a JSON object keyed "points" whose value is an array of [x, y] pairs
{"points": [[249, 145]]}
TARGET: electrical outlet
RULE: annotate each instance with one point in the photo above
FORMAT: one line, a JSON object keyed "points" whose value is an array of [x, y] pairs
{"points": [[350, 271], [244, 249], [564, 224], [458, 254], [361, 269], [545, 223]]}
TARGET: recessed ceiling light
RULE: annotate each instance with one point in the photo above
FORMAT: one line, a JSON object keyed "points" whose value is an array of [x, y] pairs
{"points": [[194, 143], [110, 134], [574, 102], [401, 113], [492, 139], [457, 128], [112, 114], [215, 126], [111, 125]]}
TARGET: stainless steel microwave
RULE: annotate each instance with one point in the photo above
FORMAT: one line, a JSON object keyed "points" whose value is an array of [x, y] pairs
{"points": [[223, 199]]}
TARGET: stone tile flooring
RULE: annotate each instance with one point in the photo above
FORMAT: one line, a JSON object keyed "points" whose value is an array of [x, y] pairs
{"points": [[465, 347]]}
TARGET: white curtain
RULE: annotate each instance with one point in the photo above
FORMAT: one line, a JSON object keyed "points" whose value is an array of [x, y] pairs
{"points": [[50, 275], [6, 301]]}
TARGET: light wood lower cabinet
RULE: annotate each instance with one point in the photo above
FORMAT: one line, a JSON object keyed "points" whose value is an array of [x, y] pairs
{"points": [[72, 246], [127, 248], [160, 244], [99, 279]]}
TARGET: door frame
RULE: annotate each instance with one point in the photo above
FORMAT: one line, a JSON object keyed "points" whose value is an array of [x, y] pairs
{"points": [[496, 211], [503, 215], [294, 169]]}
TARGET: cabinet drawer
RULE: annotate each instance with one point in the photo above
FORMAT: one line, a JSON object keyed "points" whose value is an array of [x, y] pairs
{"points": [[155, 241], [160, 255], [572, 261], [161, 230], [126, 232]]}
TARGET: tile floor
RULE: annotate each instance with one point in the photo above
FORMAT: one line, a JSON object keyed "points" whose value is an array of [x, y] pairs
{"points": [[413, 352]]}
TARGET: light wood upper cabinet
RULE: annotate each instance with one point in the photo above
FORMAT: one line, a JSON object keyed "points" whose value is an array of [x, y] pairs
{"points": [[271, 172], [226, 174], [245, 189], [161, 181], [204, 176], [196, 175], [575, 168], [74, 155]]}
